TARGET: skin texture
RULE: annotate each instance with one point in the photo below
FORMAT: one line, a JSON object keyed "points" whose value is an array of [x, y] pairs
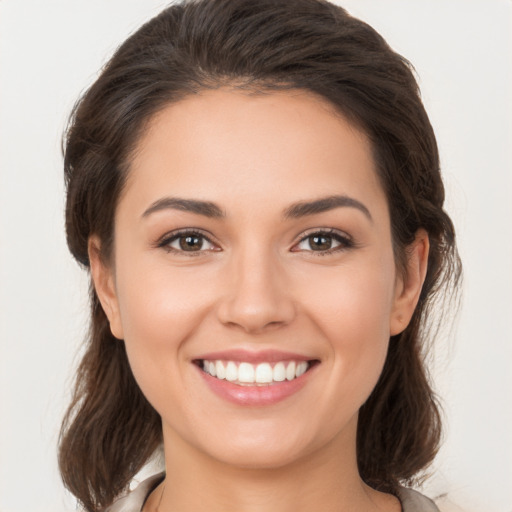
{"points": [[257, 284]]}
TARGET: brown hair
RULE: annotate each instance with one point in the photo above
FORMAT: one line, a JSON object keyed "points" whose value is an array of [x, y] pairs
{"points": [[110, 429]]}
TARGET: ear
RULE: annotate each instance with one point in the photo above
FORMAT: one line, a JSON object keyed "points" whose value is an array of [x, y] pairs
{"points": [[408, 286], [104, 284]]}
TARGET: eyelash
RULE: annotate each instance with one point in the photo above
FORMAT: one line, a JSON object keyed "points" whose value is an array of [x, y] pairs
{"points": [[166, 241], [345, 242]]}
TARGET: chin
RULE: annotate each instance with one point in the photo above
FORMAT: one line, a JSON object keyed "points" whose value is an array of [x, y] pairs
{"points": [[265, 446], [257, 457]]}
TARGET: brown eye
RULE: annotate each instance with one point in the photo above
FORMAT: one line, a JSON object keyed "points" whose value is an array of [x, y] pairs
{"points": [[324, 242], [191, 242], [320, 242], [187, 242]]}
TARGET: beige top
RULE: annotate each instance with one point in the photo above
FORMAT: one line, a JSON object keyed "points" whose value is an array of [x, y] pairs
{"points": [[412, 501]]}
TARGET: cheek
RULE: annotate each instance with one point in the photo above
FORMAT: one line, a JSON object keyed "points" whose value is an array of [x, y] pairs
{"points": [[353, 304], [157, 300], [352, 310], [159, 314]]}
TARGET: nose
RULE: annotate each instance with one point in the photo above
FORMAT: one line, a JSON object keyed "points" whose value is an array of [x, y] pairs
{"points": [[258, 297]]}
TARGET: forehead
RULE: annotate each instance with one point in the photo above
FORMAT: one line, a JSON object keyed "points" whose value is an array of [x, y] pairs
{"points": [[225, 142]]}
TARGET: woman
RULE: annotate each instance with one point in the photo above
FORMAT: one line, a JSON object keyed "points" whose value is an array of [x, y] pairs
{"points": [[255, 189]]}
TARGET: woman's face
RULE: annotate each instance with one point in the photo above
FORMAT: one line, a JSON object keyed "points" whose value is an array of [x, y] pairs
{"points": [[253, 278]]}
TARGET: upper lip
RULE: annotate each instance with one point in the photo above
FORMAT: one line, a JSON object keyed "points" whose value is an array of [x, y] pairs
{"points": [[262, 356]]}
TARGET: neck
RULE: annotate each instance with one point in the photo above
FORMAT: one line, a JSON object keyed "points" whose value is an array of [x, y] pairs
{"points": [[326, 480]]}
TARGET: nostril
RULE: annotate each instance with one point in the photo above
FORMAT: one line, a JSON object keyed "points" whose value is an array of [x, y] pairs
{"points": [[254, 314]]}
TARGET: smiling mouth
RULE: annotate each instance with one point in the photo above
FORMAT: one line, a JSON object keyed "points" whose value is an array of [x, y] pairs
{"points": [[261, 374]]}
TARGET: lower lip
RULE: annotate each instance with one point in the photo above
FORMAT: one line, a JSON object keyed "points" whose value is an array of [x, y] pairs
{"points": [[248, 395]]}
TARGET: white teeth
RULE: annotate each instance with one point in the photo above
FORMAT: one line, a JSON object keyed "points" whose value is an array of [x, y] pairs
{"points": [[301, 368], [262, 373], [280, 372], [220, 370], [290, 371], [231, 372], [246, 373]]}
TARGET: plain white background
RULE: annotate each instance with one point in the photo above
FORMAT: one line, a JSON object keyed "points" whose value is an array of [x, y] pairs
{"points": [[51, 50]]}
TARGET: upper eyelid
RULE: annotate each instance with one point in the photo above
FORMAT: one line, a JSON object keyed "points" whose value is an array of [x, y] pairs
{"points": [[327, 231], [185, 231], [172, 235]]}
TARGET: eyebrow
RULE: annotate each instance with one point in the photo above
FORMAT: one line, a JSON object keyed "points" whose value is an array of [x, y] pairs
{"points": [[324, 204], [206, 208], [294, 211]]}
